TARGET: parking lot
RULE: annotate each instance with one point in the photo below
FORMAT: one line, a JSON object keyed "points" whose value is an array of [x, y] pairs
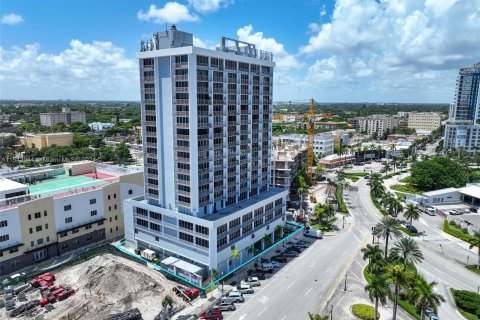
{"points": [[239, 289]]}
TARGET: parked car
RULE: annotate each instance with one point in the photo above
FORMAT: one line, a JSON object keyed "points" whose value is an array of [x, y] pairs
{"points": [[430, 211], [280, 258], [236, 295], [412, 229], [455, 212], [232, 299], [433, 317], [290, 254], [275, 264], [244, 288], [264, 267], [366, 177], [294, 248], [473, 209], [224, 306], [252, 281], [259, 275], [212, 314]]}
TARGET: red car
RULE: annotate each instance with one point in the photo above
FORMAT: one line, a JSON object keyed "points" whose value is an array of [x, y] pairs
{"points": [[212, 314]]}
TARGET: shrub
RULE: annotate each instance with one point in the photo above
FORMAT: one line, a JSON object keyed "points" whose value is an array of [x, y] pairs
{"points": [[364, 311], [452, 223], [456, 232], [468, 301], [465, 230]]}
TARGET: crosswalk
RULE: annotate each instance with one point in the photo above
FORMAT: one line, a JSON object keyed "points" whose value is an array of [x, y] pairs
{"points": [[436, 238]]}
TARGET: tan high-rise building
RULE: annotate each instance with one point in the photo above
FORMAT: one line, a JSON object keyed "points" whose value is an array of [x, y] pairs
{"points": [[66, 116], [424, 120]]}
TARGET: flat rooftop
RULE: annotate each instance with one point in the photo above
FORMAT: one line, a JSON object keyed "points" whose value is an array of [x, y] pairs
{"points": [[62, 183], [7, 185]]}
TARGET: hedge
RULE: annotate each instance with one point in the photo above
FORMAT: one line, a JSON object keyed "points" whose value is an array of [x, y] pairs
{"points": [[452, 230], [467, 301], [338, 194], [377, 205], [364, 311], [473, 267]]}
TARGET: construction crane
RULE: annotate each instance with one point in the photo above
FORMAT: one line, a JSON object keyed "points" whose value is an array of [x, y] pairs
{"points": [[311, 136]]}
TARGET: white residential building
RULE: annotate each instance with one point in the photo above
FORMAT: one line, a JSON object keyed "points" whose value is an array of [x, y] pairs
{"points": [[206, 121], [376, 124], [323, 143], [100, 126]]}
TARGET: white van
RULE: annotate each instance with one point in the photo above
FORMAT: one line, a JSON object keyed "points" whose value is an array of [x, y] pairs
{"points": [[312, 233], [430, 211]]}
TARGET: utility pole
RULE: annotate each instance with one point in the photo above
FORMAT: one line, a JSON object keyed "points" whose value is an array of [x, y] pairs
{"points": [[343, 222], [331, 312], [345, 288]]}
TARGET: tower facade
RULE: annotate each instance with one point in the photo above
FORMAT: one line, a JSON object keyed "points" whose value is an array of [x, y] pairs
{"points": [[462, 130], [206, 121]]}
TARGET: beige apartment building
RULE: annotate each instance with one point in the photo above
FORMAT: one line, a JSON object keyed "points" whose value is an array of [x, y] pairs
{"points": [[43, 140], [66, 116], [424, 120]]}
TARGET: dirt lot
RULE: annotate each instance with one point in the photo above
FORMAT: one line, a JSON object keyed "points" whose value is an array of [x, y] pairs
{"points": [[109, 284]]}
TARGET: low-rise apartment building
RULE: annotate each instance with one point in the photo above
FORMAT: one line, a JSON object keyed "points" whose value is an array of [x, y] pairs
{"points": [[376, 124], [286, 163], [65, 212], [323, 143], [424, 120]]}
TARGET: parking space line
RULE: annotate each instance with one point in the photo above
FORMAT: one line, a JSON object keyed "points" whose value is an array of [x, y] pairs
{"points": [[329, 269], [284, 317], [311, 266], [306, 293], [262, 311], [291, 284]]}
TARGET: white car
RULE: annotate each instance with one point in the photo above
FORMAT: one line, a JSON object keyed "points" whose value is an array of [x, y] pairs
{"points": [[243, 288]]}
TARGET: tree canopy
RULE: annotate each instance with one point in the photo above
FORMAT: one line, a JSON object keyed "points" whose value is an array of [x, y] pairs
{"points": [[438, 173]]}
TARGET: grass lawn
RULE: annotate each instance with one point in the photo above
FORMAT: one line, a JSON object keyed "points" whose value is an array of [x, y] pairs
{"points": [[401, 196], [456, 232], [408, 188], [406, 180], [473, 267], [321, 227]]}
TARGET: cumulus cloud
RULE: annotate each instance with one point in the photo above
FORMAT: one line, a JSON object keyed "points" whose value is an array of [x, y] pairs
{"points": [[171, 12], [82, 71], [11, 19], [395, 44], [284, 60], [207, 6]]}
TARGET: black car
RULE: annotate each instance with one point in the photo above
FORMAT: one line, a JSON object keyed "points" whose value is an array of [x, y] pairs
{"points": [[366, 177], [412, 229], [290, 254], [473, 209], [280, 258], [295, 248], [259, 275]]}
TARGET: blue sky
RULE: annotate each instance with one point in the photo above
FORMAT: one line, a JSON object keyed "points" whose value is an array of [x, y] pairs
{"points": [[339, 51]]}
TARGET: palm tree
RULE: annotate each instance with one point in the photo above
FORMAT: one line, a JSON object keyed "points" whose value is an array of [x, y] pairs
{"points": [[370, 251], [387, 166], [387, 228], [407, 251], [377, 263], [411, 212], [475, 242], [267, 241], [252, 251], [318, 212], [167, 302], [214, 274], [426, 296], [278, 232], [377, 189], [378, 151], [377, 291], [318, 171], [235, 256], [399, 278], [317, 317]]}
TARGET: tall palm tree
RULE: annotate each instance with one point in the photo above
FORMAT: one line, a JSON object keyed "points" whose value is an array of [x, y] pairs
{"points": [[318, 171], [214, 274], [411, 212], [387, 166], [377, 263], [167, 302], [267, 240], [278, 232], [475, 242], [377, 189], [317, 317], [378, 151], [371, 251], [387, 228], [377, 291], [302, 190], [407, 251], [399, 278], [426, 296], [235, 256]]}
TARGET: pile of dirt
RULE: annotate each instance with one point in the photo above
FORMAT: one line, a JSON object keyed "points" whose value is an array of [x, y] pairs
{"points": [[107, 285]]}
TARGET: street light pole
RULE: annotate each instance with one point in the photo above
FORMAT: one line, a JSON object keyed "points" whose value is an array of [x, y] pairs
{"points": [[345, 288], [331, 312], [343, 222]]}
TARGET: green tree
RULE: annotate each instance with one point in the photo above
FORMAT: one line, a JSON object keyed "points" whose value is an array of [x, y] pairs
{"points": [[235, 255], [214, 273], [318, 171], [97, 142], [411, 212], [371, 251], [79, 127], [80, 141], [377, 291], [267, 240], [438, 173], [399, 278], [278, 233], [407, 251], [426, 296], [302, 190], [123, 153], [475, 242], [167, 302], [387, 228]]}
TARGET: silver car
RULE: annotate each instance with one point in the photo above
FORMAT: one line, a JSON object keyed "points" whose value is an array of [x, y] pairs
{"points": [[225, 306]]}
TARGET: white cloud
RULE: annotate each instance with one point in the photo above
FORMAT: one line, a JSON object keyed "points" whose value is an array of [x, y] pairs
{"points": [[284, 60], [323, 11], [11, 19], [207, 6], [172, 12], [197, 42], [408, 49], [97, 70]]}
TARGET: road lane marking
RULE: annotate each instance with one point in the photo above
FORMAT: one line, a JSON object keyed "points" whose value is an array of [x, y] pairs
{"points": [[262, 311], [311, 266], [284, 317], [243, 317], [264, 299], [306, 293], [291, 284], [329, 269]]}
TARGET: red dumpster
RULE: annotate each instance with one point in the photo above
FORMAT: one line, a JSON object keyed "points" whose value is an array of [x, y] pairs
{"points": [[43, 302], [56, 292], [51, 298]]}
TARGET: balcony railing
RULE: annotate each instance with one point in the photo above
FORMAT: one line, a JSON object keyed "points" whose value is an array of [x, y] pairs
{"points": [[181, 113], [180, 101], [181, 89], [148, 79], [218, 79], [181, 77], [180, 65], [218, 90], [202, 90], [203, 101]]}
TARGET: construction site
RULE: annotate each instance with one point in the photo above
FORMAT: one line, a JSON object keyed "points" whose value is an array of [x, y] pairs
{"points": [[104, 287]]}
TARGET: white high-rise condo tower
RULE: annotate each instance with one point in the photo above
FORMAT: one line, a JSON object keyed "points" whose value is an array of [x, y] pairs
{"points": [[462, 130], [206, 121]]}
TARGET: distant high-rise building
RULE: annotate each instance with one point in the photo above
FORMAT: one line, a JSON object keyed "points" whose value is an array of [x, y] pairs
{"points": [[66, 116], [376, 124], [462, 130], [206, 120]]}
